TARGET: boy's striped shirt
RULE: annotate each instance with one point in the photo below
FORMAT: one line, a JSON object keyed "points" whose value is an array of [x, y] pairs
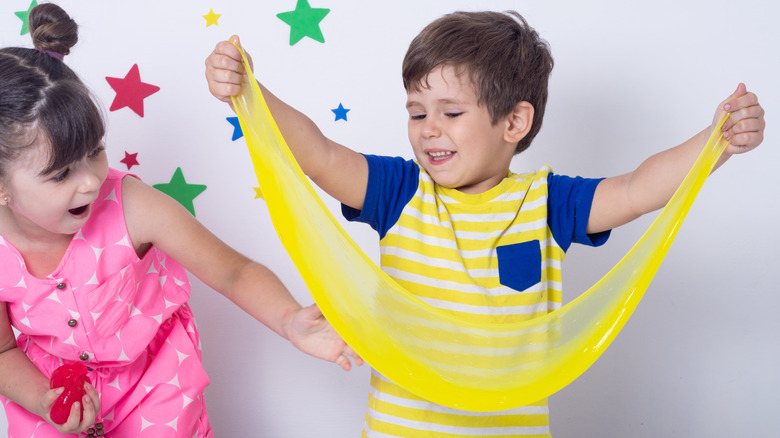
{"points": [[494, 256]]}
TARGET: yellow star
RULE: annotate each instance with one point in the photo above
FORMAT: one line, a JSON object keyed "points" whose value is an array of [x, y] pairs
{"points": [[211, 18], [258, 193]]}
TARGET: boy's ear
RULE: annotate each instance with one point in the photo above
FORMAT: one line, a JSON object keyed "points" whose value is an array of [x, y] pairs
{"points": [[519, 122]]}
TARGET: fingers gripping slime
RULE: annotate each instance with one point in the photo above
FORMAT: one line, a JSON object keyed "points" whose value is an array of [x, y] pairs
{"points": [[443, 359], [72, 377]]}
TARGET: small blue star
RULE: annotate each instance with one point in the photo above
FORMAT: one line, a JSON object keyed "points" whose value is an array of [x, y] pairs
{"points": [[237, 132], [340, 112]]}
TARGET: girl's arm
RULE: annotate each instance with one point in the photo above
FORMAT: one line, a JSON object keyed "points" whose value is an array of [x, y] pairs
{"points": [[154, 218], [23, 383], [340, 171], [621, 199]]}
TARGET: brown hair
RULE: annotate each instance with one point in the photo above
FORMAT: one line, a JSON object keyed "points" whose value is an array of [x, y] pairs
{"points": [[38, 92], [505, 58]]}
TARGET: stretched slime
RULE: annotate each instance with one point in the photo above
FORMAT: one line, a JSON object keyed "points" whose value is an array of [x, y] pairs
{"points": [[72, 377], [443, 359]]}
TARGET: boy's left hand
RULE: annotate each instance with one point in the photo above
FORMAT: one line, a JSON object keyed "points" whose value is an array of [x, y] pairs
{"points": [[311, 333], [744, 129]]}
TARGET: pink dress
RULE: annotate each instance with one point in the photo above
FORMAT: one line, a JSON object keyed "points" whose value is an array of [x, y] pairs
{"points": [[126, 318]]}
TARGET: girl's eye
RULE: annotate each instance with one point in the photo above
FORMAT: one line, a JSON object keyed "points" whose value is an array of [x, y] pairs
{"points": [[96, 152], [417, 116], [61, 175], [452, 115]]}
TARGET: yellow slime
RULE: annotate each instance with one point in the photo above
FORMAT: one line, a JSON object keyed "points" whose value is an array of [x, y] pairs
{"points": [[446, 360]]}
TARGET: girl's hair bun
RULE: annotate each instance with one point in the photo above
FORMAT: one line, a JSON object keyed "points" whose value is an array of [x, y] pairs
{"points": [[52, 29]]}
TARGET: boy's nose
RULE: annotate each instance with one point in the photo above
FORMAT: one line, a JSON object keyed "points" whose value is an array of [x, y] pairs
{"points": [[431, 128]]}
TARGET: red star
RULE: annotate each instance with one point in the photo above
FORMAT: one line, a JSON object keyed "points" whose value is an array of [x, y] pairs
{"points": [[130, 160], [130, 91]]}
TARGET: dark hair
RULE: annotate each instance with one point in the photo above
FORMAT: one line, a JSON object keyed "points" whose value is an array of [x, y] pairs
{"points": [[41, 95], [505, 58]]}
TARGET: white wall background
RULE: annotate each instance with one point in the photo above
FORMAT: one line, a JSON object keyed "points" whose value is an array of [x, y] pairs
{"points": [[698, 359]]}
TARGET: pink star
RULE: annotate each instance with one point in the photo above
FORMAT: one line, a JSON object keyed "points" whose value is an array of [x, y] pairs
{"points": [[130, 91], [130, 160]]}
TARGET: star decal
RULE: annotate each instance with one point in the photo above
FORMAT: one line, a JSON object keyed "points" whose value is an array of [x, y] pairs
{"points": [[258, 193], [340, 112], [304, 21], [24, 16], [130, 160], [181, 191], [237, 132], [130, 91], [211, 18]]}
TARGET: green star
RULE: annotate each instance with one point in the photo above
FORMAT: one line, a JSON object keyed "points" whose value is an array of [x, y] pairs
{"points": [[23, 15], [179, 190], [304, 21]]}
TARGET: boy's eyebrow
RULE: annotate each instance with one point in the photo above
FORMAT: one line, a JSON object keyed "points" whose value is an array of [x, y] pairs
{"points": [[444, 100]]}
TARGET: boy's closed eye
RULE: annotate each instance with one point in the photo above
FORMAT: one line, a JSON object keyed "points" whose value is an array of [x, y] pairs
{"points": [[449, 115]]}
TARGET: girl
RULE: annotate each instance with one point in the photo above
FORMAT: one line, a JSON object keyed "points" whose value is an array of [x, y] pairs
{"points": [[89, 268]]}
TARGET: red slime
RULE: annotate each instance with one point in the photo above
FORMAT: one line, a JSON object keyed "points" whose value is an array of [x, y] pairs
{"points": [[72, 377]]}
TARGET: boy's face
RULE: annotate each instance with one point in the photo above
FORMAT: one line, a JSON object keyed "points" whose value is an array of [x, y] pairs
{"points": [[453, 137]]}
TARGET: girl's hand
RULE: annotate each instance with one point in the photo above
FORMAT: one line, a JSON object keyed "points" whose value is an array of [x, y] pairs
{"points": [[90, 401], [744, 129], [225, 68], [311, 333]]}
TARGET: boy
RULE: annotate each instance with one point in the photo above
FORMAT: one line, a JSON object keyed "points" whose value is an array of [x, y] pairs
{"points": [[457, 228]]}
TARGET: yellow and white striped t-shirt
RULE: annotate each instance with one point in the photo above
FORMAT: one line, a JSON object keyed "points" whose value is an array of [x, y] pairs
{"points": [[494, 256]]}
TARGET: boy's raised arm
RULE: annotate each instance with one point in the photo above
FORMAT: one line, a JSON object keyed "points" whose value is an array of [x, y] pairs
{"points": [[621, 199], [340, 171]]}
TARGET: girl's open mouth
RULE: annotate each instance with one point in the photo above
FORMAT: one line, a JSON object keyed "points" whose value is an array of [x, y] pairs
{"points": [[78, 210]]}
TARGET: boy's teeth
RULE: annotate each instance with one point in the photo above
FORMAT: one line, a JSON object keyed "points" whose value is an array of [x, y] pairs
{"points": [[439, 154]]}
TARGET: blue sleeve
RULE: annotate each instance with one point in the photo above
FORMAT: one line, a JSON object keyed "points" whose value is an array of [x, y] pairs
{"points": [[392, 182], [568, 209]]}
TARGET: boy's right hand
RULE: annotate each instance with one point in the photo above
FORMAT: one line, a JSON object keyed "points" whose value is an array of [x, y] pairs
{"points": [[225, 68], [744, 129]]}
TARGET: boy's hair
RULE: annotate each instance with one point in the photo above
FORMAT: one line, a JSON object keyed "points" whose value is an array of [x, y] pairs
{"points": [[40, 95], [505, 58]]}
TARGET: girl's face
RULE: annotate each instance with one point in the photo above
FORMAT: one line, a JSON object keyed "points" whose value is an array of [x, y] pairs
{"points": [[58, 202]]}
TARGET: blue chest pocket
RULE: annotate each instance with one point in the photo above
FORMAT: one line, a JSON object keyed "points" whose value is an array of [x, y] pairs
{"points": [[520, 264]]}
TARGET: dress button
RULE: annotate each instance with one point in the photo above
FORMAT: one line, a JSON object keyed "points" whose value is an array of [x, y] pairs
{"points": [[84, 356], [73, 323], [61, 286]]}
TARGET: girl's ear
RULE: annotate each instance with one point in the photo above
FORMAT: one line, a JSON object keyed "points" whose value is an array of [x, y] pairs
{"points": [[519, 122]]}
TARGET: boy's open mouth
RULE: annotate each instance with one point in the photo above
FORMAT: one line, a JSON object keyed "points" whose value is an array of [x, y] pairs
{"points": [[78, 210], [440, 155]]}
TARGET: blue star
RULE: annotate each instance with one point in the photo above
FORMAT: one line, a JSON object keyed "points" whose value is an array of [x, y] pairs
{"points": [[237, 132], [340, 112]]}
